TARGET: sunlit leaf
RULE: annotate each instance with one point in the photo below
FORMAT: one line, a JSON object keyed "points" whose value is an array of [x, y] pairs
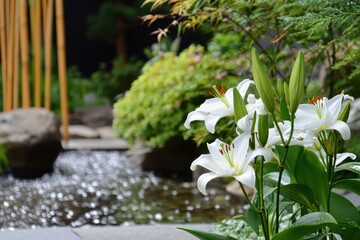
{"points": [[306, 225], [351, 166], [347, 216], [352, 185], [207, 235], [309, 171], [301, 194]]}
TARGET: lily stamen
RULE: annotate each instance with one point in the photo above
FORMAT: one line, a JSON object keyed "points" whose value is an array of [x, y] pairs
{"points": [[220, 94], [226, 151], [317, 101]]}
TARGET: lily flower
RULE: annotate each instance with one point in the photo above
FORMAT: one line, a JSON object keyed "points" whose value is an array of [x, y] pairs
{"points": [[229, 160], [212, 110], [323, 114], [340, 157], [299, 137]]}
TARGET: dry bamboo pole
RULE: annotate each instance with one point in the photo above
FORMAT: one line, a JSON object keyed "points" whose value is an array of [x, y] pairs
{"points": [[35, 13], [3, 52], [60, 34], [10, 55], [48, 52], [16, 58], [24, 54], [44, 4]]}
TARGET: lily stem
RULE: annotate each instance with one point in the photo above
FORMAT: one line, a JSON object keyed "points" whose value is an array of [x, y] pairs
{"points": [[247, 197], [281, 170], [262, 212]]}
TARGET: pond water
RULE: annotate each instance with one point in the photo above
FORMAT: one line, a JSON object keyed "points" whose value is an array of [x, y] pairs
{"points": [[104, 188]]}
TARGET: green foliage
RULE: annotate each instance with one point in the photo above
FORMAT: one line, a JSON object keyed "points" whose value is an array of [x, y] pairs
{"points": [[326, 30], [155, 108], [110, 83], [4, 161]]}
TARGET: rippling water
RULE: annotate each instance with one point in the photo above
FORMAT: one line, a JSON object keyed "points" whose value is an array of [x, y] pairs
{"points": [[104, 188]]}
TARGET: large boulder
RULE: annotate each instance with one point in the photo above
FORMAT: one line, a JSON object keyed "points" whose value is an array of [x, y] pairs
{"points": [[32, 141]]}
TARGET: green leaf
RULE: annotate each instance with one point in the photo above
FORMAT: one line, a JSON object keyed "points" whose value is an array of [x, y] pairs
{"points": [[306, 225], [207, 235], [294, 155], [301, 194], [284, 111], [351, 166], [309, 171], [347, 216], [352, 185], [239, 105], [252, 218], [343, 210], [319, 236]]}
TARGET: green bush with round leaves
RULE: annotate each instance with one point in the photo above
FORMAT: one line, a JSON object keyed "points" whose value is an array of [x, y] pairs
{"points": [[155, 108]]}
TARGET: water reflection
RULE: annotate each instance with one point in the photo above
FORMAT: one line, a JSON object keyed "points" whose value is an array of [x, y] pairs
{"points": [[104, 188]]}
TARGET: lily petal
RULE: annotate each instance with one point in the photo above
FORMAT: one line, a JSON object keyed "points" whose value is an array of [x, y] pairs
{"points": [[340, 157], [266, 153], [241, 143], [204, 179], [194, 116], [206, 161], [342, 128], [247, 177]]}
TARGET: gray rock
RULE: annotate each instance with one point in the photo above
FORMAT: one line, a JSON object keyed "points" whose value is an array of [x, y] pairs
{"points": [[32, 141], [95, 117], [81, 131], [174, 158]]}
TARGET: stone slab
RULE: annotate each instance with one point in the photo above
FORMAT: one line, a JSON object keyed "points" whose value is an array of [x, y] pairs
{"points": [[137, 232], [57, 233], [95, 144]]}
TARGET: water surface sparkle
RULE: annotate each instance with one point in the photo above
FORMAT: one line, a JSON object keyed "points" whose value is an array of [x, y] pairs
{"points": [[104, 188]]}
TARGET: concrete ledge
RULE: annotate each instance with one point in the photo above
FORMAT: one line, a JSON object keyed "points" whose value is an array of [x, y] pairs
{"points": [[56, 233], [95, 144], [138, 232]]}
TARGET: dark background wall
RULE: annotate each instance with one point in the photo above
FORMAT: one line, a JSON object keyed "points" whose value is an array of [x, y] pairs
{"points": [[87, 53]]}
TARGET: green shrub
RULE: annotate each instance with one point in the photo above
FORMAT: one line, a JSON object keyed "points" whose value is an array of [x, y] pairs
{"points": [[155, 108]]}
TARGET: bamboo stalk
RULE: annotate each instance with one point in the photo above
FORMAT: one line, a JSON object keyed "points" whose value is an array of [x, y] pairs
{"points": [[60, 31], [16, 58], [24, 54], [44, 4], [3, 52], [35, 11], [10, 55], [48, 52]]}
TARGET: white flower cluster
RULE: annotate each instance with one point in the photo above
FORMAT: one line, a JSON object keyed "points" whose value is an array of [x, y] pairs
{"points": [[312, 121]]}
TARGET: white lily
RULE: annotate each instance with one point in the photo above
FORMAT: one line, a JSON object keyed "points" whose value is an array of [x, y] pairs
{"points": [[299, 137], [322, 114], [212, 110], [340, 157], [253, 105], [229, 160]]}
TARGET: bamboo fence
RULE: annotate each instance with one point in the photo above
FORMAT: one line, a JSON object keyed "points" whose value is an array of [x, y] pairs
{"points": [[26, 55]]}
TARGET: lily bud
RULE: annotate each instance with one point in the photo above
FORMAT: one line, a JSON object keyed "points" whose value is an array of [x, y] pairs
{"points": [[296, 84], [280, 90], [239, 105], [262, 82], [263, 129], [286, 93], [344, 114]]}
